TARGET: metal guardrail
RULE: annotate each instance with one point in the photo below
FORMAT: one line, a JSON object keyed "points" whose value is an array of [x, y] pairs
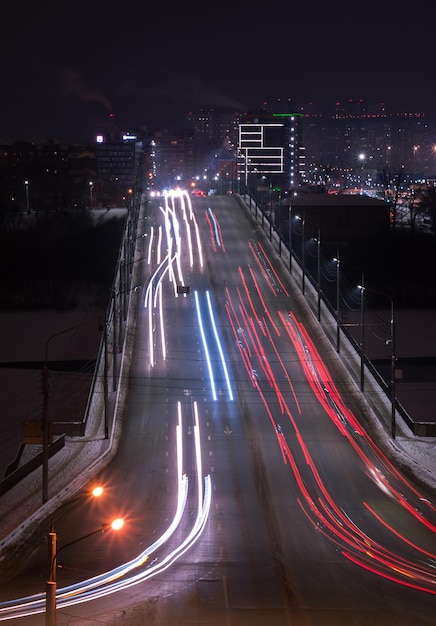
{"points": [[116, 318], [21, 472], [419, 429]]}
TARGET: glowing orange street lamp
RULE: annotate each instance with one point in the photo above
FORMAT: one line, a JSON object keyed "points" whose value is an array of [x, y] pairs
{"points": [[50, 594]]}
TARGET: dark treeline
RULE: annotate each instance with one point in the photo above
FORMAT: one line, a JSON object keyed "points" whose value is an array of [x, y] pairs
{"points": [[404, 266], [400, 264], [65, 260], [61, 260]]}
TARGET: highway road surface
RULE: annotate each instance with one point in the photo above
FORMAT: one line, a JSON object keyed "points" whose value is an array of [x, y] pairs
{"points": [[251, 490]]}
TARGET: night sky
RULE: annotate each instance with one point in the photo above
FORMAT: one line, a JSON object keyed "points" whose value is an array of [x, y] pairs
{"points": [[66, 66]]}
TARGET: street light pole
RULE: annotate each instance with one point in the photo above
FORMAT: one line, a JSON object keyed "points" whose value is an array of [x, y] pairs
{"points": [[303, 275], [393, 359], [51, 584], [318, 247], [45, 421], [338, 302], [391, 342], [91, 186], [50, 588], [105, 382], [362, 335], [338, 313], [246, 171], [290, 237], [26, 184]]}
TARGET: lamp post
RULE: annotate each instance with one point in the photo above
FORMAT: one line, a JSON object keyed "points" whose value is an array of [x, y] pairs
{"points": [[318, 249], [253, 184], [338, 303], [415, 149], [303, 272], [245, 157], [51, 584], [91, 187], [290, 237], [96, 492], [26, 185], [361, 287], [393, 359], [105, 381], [362, 335], [46, 435], [362, 158], [50, 589]]}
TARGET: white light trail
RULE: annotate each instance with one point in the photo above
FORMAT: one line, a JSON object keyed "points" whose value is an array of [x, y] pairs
{"points": [[153, 300], [200, 250], [198, 456], [116, 580], [159, 245], [161, 323], [218, 343], [206, 349], [150, 245], [188, 234], [217, 233]]}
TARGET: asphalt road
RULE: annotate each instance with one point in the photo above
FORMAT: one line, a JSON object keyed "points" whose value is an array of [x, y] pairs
{"points": [[308, 522]]}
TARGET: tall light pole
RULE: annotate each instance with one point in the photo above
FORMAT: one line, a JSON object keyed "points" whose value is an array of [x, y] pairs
{"points": [[290, 237], [91, 187], [361, 287], [318, 249], [303, 255], [46, 434], [50, 587], [393, 359], [26, 185], [51, 584], [338, 302], [362, 334], [362, 158], [415, 150], [246, 170], [303, 272]]}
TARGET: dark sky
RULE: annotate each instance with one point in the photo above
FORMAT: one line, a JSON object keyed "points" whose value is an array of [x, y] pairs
{"points": [[66, 66]]}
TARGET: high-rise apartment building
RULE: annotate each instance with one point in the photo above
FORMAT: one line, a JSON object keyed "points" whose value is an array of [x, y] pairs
{"points": [[270, 150], [356, 143]]}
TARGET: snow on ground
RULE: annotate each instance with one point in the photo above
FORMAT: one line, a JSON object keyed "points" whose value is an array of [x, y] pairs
{"points": [[25, 339]]}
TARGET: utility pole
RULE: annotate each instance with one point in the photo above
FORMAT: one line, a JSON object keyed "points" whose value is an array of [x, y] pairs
{"points": [[393, 360], [46, 426], [50, 586], [45, 432]]}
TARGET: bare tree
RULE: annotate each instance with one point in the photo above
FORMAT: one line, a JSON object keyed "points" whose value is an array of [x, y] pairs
{"points": [[414, 205], [428, 203], [392, 183]]}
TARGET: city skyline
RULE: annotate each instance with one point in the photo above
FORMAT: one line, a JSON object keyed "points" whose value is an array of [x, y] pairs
{"points": [[65, 68]]}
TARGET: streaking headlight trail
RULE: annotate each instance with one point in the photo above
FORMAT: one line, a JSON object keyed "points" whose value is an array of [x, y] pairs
{"points": [[122, 576], [217, 345]]}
